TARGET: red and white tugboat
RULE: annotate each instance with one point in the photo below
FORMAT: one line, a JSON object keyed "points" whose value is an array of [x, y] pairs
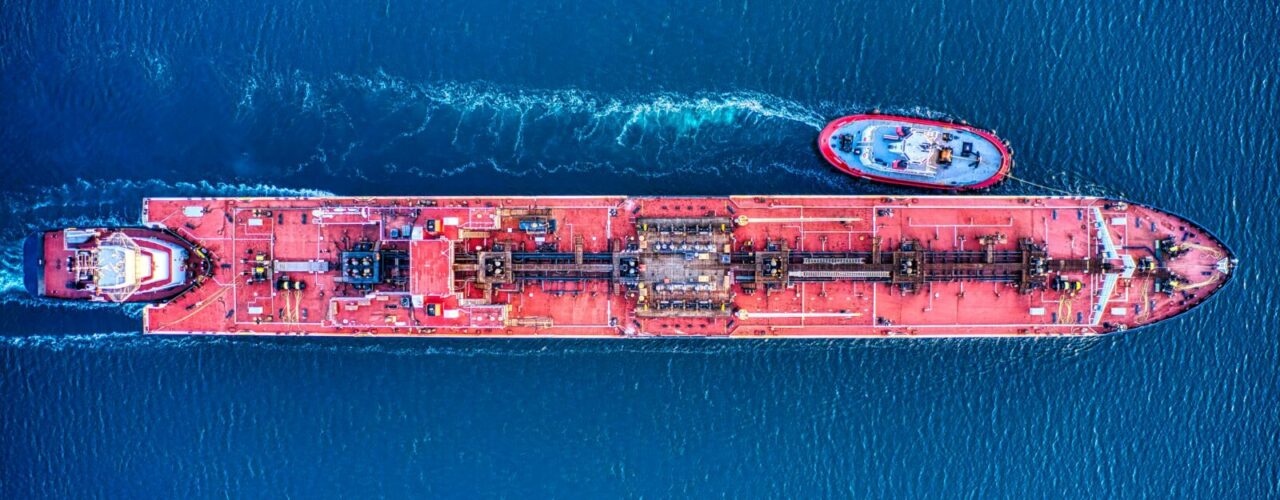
{"points": [[915, 152], [131, 264]]}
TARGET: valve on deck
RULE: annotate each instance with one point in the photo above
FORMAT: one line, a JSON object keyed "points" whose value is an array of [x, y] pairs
{"points": [[907, 267], [630, 266], [773, 267], [1169, 247], [259, 268], [494, 268], [1169, 284]]}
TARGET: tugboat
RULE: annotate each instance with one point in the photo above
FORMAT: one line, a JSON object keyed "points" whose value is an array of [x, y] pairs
{"points": [[130, 264], [915, 152]]}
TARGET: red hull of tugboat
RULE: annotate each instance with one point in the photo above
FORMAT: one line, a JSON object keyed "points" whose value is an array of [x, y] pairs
{"points": [[825, 147]]}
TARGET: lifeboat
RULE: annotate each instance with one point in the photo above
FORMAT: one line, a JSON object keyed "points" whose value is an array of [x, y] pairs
{"points": [[915, 152]]}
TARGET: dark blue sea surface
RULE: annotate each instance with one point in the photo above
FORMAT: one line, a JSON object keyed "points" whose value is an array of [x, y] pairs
{"points": [[103, 102]]}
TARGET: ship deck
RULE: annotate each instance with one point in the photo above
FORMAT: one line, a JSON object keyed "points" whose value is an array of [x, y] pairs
{"points": [[701, 266]]}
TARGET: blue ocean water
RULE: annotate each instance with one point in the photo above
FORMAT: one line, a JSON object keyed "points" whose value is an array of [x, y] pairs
{"points": [[103, 102]]}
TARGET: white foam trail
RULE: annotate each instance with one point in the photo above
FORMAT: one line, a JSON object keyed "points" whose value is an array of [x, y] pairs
{"points": [[11, 268], [684, 111], [95, 341], [87, 203], [19, 298], [90, 194], [521, 107], [528, 131]]}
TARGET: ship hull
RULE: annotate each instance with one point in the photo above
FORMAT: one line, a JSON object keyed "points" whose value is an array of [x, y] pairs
{"points": [[741, 266], [871, 146]]}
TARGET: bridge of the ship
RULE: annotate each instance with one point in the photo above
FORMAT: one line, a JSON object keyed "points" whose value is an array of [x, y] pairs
{"points": [[916, 152], [746, 266]]}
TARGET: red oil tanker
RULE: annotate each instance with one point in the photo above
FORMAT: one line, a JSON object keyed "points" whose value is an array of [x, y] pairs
{"points": [[602, 266]]}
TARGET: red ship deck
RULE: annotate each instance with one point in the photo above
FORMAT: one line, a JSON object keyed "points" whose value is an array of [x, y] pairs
{"points": [[846, 266]]}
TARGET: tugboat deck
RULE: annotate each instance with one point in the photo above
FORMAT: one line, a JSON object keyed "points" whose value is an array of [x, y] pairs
{"points": [[915, 152]]}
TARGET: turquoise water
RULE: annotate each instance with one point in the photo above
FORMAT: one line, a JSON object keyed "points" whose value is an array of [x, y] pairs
{"points": [[104, 102]]}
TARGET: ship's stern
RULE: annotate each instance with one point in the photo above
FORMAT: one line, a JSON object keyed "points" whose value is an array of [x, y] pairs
{"points": [[33, 262]]}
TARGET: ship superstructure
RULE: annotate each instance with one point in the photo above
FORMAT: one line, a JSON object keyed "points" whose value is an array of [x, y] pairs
{"points": [[112, 265], [702, 266]]}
